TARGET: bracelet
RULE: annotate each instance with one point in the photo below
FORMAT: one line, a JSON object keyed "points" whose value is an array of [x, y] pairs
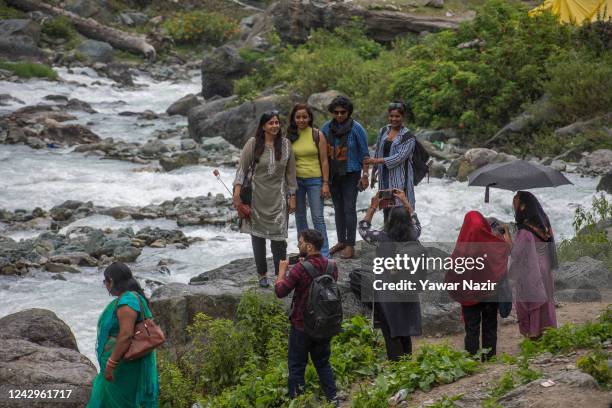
{"points": [[112, 362]]}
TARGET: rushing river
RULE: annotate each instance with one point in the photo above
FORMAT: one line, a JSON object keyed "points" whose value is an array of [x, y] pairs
{"points": [[43, 178]]}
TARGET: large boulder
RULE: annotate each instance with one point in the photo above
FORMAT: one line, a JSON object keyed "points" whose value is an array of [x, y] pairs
{"points": [[295, 19], [479, 156], [19, 38], [219, 70], [597, 162], [83, 8], [96, 51], [237, 124], [320, 101], [183, 105], [68, 134], [584, 273], [38, 352], [605, 183], [38, 326], [197, 117]]}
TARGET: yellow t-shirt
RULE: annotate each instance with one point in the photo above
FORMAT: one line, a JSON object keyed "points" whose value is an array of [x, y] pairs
{"points": [[306, 155]]}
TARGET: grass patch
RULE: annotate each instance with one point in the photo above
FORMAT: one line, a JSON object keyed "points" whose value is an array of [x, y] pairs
{"points": [[8, 13], [29, 70]]}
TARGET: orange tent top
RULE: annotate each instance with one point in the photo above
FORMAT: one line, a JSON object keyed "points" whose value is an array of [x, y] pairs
{"points": [[576, 11]]}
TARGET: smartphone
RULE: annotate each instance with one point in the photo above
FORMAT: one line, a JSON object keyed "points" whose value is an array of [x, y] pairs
{"points": [[385, 199], [293, 259]]}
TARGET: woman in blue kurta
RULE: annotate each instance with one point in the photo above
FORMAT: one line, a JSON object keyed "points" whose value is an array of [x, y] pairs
{"points": [[123, 384], [392, 161]]}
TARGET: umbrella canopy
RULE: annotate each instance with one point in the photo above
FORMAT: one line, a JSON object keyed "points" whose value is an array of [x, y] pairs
{"points": [[516, 175]]}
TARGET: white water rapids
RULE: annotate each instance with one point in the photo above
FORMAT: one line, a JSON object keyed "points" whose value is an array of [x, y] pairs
{"points": [[43, 178]]}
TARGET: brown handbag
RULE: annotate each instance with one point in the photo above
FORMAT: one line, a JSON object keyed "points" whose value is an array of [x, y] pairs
{"points": [[147, 337]]}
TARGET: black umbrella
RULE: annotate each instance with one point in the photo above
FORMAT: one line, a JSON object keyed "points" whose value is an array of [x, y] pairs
{"points": [[516, 175]]}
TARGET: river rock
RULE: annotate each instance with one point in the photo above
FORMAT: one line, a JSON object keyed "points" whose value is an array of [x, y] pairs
{"points": [[188, 144], [237, 124], [320, 101], [479, 157], [38, 351], [19, 38], [131, 18], [68, 134], [83, 8], [183, 105], [127, 254], [597, 162], [437, 169], [153, 148], [605, 183], [96, 51], [584, 273], [179, 160], [35, 142], [39, 326], [295, 19], [219, 70], [7, 100], [198, 116], [60, 267]]}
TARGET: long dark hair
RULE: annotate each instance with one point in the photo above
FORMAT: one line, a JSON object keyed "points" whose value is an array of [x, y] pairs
{"points": [[398, 224], [260, 137], [343, 102], [123, 280], [292, 129]]}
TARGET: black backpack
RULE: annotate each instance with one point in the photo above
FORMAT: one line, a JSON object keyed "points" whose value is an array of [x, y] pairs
{"points": [[323, 311], [420, 159]]}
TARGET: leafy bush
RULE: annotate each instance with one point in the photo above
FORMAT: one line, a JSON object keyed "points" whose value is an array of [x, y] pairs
{"points": [[59, 27], [430, 366], [595, 363], [195, 26], [176, 391], [7, 13], [570, 336], [29, 70], [589, 240]]}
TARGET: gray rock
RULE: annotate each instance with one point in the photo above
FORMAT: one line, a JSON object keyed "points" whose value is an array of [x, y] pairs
{"points": [[558, 165], [38, 326], [585, 273], [441, 135], [295, 19], [179, 160], [599, 162], [69, 134], [35, 142], [183, 105], [437, 170], [479, 157], [83, 8], [320, 101], [6, 100], [131, 18], [154, 148], [96, 51], [60, 267], [127, 254], [237, 124], [19, 38], [198, 116], [435, 3], [219, 70], [598, 124], [26, 365], [188, 144], [605, 183], [578, 295]]}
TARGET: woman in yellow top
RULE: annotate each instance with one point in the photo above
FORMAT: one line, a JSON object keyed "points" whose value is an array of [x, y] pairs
{"points": [[312, 170]]}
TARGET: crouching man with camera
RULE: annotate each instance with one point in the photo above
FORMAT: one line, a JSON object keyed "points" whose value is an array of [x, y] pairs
{"points": [[316, 313]]}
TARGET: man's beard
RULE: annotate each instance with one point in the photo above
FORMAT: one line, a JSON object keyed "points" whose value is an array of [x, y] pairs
{"points": [[303, 254]]}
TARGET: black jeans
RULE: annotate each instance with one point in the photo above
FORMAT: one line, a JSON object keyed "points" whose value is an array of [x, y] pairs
{"points": [[472, 316], [396, 346], [279, 251], [300, 346], [344, 191]]}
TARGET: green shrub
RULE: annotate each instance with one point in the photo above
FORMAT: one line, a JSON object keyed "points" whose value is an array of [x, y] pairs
{"points": [[220, 350], [595, 364], [7, 13], [196, 26], [59, 27], [175, 390], [29, 70], [579, 87]]}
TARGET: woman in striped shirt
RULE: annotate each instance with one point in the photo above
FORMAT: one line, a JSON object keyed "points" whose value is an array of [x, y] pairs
{"points": [[392, 163]]}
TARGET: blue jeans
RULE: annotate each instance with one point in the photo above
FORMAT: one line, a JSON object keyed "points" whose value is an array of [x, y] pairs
{"points": [[312, 188], [300, 346]]}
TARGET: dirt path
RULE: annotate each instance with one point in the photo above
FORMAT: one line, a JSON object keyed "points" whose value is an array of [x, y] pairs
{"points": [[474, 388]]}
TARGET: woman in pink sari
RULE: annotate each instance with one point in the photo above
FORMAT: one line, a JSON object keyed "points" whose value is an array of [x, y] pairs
{"points": [[533, 258]]}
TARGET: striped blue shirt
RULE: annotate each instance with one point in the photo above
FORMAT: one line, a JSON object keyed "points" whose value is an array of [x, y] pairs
{"points": [[357, 144]]}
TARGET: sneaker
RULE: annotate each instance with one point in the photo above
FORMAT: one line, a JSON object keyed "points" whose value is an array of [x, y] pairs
{"points": [[263, 282], [335, 402]]}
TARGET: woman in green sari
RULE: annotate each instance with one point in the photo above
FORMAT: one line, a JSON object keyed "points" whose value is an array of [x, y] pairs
{"points": [[123, 384]]}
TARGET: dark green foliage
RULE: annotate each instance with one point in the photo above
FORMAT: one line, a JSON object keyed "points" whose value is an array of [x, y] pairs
{"points": [[199, 26], [59, 27], [595, 363]]}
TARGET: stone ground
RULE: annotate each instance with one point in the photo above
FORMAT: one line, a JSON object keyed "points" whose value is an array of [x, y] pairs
{"points": [[561, 395]]}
